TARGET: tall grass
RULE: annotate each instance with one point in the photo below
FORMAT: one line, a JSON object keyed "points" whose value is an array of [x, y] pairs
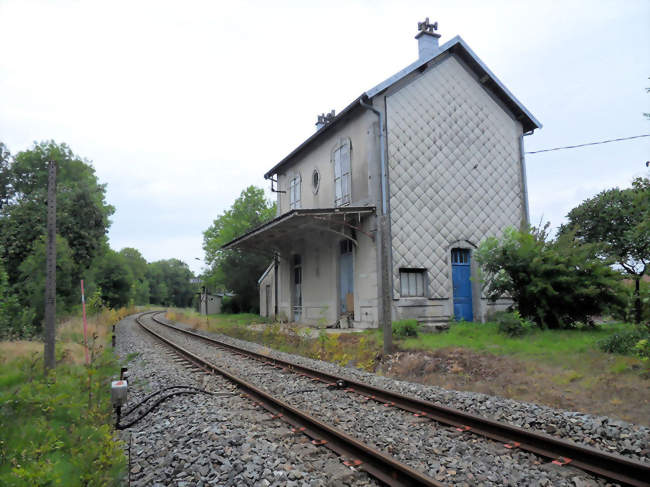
{"points": [[56, 429]]}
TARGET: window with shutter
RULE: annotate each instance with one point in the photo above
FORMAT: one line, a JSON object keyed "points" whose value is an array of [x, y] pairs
{"points": [[412, 282], [294, 193], [341, 160]]}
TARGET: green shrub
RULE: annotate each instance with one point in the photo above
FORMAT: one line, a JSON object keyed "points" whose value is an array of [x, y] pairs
{"points": [[554, 282], [229, 305], [623, 342], [512, 324], [405, 328], [624, 310], [56, 429], [642, 349]]}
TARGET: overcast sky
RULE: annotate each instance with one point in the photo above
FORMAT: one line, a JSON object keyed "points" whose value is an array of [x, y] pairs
{"points": [[180, 105]]}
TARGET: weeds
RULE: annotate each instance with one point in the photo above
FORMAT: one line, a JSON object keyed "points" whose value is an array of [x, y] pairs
{"points": [[361, 350], [57, 429]]}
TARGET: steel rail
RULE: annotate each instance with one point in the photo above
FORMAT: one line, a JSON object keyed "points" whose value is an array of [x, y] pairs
{"points": [[561, 452], [356, 454]]}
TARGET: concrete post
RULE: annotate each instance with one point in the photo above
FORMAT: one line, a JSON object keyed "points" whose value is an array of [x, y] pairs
{"points": [[50, 279], [385, 298]]}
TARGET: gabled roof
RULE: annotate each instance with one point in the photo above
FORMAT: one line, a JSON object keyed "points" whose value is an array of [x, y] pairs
{"points": [[456, 46]]}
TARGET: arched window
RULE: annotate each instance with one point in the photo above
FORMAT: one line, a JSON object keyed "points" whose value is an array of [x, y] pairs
{"points": [[342, 181]]}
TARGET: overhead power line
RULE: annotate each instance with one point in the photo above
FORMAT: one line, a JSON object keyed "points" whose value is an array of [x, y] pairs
{"points": [[588, 143]]}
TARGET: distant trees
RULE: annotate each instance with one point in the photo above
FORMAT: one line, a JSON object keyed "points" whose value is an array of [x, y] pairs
{"points": [[119, 278], [170, 283], [233, 270], [82, 211], [82, 225], [617, 222]]}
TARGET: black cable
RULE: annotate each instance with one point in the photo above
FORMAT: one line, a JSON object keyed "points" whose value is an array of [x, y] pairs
{"points": [[134, 407], [589, 143], [191, 391]]}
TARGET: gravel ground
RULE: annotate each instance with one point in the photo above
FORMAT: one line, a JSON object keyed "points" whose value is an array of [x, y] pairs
{"points": [[596, 431], [441, 452], [220, 439]]}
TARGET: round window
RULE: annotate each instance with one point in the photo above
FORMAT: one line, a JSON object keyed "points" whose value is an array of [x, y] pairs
{"points": [[315, 181]]}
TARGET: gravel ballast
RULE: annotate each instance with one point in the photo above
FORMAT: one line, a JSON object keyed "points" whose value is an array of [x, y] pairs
{"points": [[221, 439], [441, 452]]}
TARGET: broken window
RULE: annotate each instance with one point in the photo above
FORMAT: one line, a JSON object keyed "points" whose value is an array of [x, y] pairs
{"points": [[341, 159], [294, 193], [412, 282]]}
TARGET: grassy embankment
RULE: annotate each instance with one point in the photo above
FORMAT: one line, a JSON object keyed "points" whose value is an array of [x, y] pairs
{"points": [[560, 368], [57, 430]]}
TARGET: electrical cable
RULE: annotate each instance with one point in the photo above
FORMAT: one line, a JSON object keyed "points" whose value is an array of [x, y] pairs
{"points": [[189, 390], [589, 143], [154, 394]]}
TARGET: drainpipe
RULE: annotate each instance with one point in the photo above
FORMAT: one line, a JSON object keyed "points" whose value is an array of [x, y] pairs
{"points": [[382, 156], [275, 285], [524, 183], [384, 294]]}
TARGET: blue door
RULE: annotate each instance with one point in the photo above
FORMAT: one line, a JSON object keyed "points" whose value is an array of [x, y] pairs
{"points": [[460, 274], [346, 276]]}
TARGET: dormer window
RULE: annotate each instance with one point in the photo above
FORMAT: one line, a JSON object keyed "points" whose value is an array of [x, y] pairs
{"points": [[294, 192], [341, 160]]}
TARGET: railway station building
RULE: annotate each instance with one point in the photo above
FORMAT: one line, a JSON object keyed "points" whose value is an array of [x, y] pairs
{"points": [[381, 209]]}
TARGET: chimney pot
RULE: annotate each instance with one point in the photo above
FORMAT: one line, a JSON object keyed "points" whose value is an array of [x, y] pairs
{"points": [[324, 119], [427, 38]]}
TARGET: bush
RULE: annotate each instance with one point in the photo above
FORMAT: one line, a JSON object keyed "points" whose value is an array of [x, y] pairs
{"points": [[230, 305], [512, 324], [625, 309], [624, 342], [552, 282], [405, 328], [642, 349]]}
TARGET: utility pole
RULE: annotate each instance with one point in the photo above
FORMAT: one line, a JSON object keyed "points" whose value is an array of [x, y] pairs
{"points": [[50, 279]]}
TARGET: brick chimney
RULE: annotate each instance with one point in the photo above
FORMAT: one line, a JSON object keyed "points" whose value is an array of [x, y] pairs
{"points": [[427, 38]]}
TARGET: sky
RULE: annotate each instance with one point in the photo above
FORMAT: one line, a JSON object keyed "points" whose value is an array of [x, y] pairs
{"points": [[181, 105]]}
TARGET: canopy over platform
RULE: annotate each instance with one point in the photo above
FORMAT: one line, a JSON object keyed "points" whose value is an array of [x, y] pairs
{"points": [[302, 224]]}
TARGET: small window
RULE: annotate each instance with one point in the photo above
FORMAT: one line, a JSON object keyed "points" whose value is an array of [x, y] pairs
{"points": [[411, 282], [341, 160], [315, 181], [460, 256], [294, 193]]}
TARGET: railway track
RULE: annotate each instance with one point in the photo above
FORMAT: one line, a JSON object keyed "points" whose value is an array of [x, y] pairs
{"points": [[561, 452], [357, 454]]}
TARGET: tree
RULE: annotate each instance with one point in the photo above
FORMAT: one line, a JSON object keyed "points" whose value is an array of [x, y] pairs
{"points": [[232, 269], [618, 222], [82, 212], [110, 273], [15, 320], [31, 279], [5, 159], [552, 282], [171, 283], [138, 267]]}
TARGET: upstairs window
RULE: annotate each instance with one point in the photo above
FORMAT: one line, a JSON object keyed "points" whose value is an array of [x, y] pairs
{"points": [[294, 193], [341, 160], [411, 282]]}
